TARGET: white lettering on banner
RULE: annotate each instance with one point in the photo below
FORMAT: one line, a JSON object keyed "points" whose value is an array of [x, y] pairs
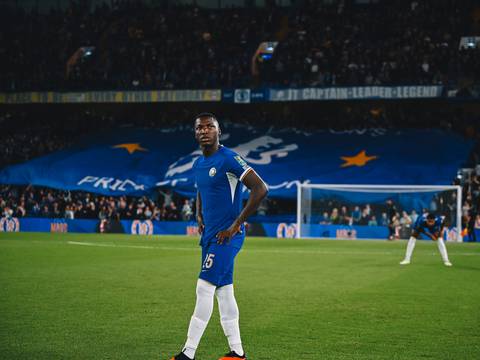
{"points": [[111, 183], [343, 93], [183, 164], [306, 94], [356, 92], [87, 179], [288, 184], [103, 182], [131, 183], [252, 150], [117, 183]]}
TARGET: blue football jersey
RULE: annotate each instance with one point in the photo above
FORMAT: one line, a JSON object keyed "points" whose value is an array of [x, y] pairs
{"points": [[421, 224], [218, 179]]}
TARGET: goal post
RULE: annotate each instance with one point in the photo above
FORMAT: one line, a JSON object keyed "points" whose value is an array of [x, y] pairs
{"points": [[345, 201]]}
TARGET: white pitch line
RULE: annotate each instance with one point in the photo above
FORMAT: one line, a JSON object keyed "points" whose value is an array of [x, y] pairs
{"points": [[128, 246], [272, 251]]}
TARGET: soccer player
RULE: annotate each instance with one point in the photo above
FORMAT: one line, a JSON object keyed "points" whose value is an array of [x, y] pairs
{"points": [[431, 226], [218, 175]]}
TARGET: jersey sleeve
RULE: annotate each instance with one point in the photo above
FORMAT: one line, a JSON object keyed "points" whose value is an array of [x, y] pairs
{"points": [[237, 166]]}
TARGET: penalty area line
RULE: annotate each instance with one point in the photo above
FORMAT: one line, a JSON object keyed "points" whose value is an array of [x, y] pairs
{"points": [[128, 246]]}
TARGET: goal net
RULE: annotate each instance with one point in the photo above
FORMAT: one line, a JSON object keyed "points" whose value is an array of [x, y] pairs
{"points": [[374, 211]]}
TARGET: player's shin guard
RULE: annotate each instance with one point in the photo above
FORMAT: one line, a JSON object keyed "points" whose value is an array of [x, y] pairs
{"points": [[229, 317], [201, 316], [410, 247], [443, 250]]}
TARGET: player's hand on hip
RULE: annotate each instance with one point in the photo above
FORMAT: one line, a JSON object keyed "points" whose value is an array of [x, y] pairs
{"points": [[226, 235]]}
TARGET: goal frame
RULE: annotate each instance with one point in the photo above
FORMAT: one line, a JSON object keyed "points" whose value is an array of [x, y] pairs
{"points": [[405, 188]]}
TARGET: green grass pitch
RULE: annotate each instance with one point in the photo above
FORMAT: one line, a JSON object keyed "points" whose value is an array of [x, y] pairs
{"points": [[72, 296]]}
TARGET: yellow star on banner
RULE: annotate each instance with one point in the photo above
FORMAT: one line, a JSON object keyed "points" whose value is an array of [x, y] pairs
{"points": [[360, 159], [131, 148]]}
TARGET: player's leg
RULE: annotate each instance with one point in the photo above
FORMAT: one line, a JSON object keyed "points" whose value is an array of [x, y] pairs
{"points": [[410, 247], [443, 251], [201, 315], [229, 313], [229, 318], [227, 304]]}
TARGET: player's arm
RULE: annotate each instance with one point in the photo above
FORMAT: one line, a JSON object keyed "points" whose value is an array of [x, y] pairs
{"points": [[201, 225], [258, 191], [417, 230], [438, 233]]}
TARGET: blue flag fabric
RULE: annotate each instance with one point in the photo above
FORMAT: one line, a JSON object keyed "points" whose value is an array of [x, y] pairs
{"points": [[136, 161]]}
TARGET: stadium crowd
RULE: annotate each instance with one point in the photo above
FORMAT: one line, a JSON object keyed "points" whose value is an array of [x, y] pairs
{"points": [[394, 42], [470, 182], [29, 201], [131, 45]]}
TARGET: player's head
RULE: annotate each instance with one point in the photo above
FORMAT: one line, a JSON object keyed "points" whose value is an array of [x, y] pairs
{"points": [[430, 219], [207, 129]]}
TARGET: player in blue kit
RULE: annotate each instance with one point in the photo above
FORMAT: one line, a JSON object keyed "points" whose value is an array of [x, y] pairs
{"points": [[219, 175], [432, 226]]}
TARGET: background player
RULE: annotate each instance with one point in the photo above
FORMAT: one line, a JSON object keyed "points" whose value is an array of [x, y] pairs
{"points": [[220, 217], [432, 226]]}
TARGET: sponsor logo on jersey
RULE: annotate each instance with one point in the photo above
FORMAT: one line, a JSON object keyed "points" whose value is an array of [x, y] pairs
{"points": [[212, 172], [242, 162]]}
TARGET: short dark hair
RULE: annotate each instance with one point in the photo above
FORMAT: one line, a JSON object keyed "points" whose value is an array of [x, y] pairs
{"points": [[206, 114], [431, 216]]}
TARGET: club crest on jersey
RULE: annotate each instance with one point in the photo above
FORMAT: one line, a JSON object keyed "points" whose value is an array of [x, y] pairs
{"points": [[212, 172]]}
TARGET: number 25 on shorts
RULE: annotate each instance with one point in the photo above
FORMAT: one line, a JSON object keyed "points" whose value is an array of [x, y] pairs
{"points": [[208, 263]]}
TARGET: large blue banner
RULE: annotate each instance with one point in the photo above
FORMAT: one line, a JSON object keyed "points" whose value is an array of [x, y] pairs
{"points": [[136, 161]]}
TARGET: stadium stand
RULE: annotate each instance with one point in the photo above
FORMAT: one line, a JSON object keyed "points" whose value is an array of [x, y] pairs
{"points": [[133, 46]]}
